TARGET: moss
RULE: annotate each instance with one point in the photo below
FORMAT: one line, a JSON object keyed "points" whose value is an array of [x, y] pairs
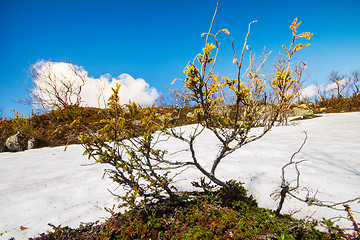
{"points": [[208, 216]]}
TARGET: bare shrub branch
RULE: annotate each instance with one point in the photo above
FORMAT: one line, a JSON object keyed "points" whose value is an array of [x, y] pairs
{"points": [[287, 190], [55, 90], [255, 104]]}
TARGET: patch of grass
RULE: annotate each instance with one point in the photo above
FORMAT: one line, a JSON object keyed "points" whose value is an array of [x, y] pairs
{"points": [[56, 128], [64, 126], [209, 215]]}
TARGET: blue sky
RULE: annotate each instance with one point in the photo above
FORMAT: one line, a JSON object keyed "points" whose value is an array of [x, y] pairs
{"points": [[154, 40]]}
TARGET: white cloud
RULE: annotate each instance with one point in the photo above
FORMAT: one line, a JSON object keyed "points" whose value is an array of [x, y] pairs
{"points": [[313, 90], [334, 86], [135, 90], [309, 91], [95, 91]]}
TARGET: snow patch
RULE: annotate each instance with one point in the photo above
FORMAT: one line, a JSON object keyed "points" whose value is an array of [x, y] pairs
{"points": [[50, 185]]}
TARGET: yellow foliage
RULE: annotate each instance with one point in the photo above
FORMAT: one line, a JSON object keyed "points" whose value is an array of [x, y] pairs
{"points": [[294, 26], [306, 35], [254, 75], [300, 46], [225, 31], [208, 48]]}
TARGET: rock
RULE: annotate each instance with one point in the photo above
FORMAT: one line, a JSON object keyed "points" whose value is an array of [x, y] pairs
{"points": [[31, 144], [14, 143], [194, 115], [223, 110], [298, 111], [170, 120], [190, 115]]}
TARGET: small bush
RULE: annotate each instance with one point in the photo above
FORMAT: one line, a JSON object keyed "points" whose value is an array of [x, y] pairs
{"points": [[130, 148], [338, 103]]}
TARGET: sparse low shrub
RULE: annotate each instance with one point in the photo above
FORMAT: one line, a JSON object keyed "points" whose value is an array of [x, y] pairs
{"points": [[22, 124], [5, 132], [338, 103], [257, 101], [130, 148], [227, 197]]}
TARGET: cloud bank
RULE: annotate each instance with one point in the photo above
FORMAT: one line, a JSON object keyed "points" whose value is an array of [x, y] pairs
{"points": [[94, 92], [314, 90]]}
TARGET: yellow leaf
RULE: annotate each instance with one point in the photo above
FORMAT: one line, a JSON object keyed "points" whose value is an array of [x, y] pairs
{"points": [[285, 48], [200, 58], [300, 46], [294, 26], [306, 35], [23, 228], [225, 31]]}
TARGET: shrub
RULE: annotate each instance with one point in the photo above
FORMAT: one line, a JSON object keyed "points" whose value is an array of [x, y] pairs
{"points": [[255, 104], [54, 90], [132, 151], [338, 104]]}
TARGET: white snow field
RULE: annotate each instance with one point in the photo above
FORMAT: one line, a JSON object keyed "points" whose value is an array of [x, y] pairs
{"points": [[51, 185]]}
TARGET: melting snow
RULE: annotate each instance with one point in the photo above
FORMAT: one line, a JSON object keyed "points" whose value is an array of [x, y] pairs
{"points": [[50, 185]]}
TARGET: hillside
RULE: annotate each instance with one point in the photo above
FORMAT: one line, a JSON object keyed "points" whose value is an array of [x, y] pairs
{"points": [[50, 185]]}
